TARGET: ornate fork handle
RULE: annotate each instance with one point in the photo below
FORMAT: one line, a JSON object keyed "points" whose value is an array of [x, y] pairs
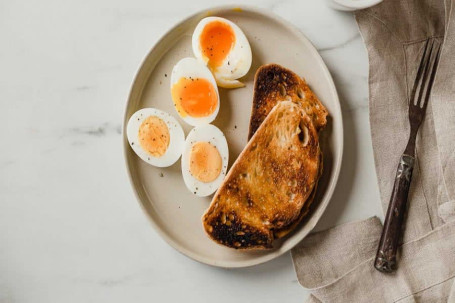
{"points": [[390, 238]]}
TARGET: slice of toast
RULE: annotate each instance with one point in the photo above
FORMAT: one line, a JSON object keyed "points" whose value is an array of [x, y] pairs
{"points": [[269, 183], [274, 83]]}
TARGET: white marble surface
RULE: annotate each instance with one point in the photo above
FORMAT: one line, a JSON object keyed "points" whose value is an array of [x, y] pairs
{"points": [[70, 228]]}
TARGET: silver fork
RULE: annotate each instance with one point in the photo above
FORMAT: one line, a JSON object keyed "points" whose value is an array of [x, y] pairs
{"points": [[386, 256]]}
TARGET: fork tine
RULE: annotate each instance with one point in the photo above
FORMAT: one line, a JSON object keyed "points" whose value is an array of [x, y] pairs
{"points": [[425, 76], [419, 72], [432, 76]]}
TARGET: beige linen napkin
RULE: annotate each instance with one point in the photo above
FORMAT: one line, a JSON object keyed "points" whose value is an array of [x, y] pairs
{"points": [[337, 265], [443, 107]]}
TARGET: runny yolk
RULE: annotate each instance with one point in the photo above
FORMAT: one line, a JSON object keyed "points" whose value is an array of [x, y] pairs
{"points": [[216, 40], [194, 97], [205, 162], [154, 136]]}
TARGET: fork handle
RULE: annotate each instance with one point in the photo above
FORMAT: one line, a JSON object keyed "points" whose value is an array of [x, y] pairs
{"points": [[386, 256]]}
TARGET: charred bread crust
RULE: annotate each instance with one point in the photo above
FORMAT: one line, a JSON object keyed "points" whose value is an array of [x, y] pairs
{"points": [[228, 229], [274, 83]]}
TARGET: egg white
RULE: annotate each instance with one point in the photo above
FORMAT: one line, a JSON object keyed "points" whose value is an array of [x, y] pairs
{"points": [[237, 62], [206, 133], [192, 68], [176, 137]]}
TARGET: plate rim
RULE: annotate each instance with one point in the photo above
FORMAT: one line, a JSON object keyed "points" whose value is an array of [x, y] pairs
{"points": [[340, 146]]}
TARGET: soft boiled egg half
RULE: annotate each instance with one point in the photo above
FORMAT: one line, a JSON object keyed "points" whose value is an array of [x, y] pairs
{"points": [[223, 46], [204, 160], [194, 92], [155, 136]]}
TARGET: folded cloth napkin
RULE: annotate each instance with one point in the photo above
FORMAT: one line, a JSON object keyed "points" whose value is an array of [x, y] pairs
{"points": [[443, 107], [337, 265]]}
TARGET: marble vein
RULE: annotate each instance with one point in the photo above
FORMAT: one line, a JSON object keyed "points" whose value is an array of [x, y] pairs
{"points": [[97, 131], [85, 87], [341, 44]]}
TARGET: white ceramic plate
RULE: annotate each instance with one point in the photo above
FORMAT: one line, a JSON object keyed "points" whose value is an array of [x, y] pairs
{"points": [[172, 209]]}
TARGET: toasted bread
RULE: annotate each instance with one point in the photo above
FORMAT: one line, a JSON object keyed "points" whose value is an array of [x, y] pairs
{"points": [[274, 83], [280, 233], [269, 183]]}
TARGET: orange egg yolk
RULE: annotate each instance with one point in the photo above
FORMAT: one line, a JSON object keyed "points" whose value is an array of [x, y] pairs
{"points": [[216, 40], [205, 162], [194, 97], [154, 136]]}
